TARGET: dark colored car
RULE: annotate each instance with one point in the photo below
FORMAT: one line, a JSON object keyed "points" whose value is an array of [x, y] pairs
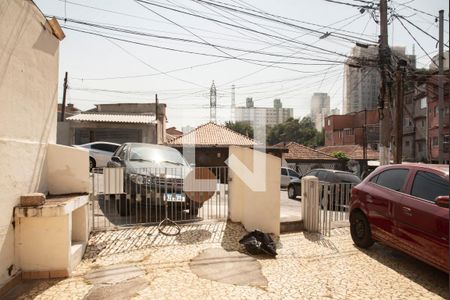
{"points": [[405, 207], [324, 175], [152, 173]]}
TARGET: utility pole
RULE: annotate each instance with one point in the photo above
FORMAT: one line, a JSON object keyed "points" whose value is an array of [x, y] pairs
{"points": [[63, 109], [365, 144], [383, 105], [399, 100], [441, 87], [156, 117]]}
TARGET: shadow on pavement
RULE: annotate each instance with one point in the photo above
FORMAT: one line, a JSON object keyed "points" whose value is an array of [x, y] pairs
{"points": [[30, 287], [425, 275]]}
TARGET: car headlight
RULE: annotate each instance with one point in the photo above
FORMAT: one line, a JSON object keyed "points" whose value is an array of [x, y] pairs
{"points": [[138, 179]]}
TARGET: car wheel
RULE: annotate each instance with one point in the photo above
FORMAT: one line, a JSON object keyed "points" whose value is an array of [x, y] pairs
{"points": [[291, 192], [91, 163], [360, 230]]}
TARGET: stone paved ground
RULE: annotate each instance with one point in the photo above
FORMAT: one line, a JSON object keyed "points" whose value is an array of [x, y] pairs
{"points": [[307, 267]]}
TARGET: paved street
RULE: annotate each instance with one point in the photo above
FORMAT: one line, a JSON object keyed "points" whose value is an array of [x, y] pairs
{"points": [[307, 267]]}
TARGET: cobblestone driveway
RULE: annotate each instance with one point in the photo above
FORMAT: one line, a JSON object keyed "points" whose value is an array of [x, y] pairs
{"points": [[307, 267]]}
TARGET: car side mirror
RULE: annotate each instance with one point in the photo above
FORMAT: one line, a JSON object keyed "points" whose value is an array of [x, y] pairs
{"points": [[441, 201], [116, 159]]}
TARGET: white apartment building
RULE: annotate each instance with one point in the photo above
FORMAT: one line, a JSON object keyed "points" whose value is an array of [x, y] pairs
{"points": [[362, 84], [262, 116], [320, 108]]}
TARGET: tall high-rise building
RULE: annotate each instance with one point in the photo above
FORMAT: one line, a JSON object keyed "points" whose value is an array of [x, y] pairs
{"points": [[362, 82], [320, 108], [262, 116]]}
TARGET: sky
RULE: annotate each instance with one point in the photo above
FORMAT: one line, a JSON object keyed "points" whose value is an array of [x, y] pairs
{"points": [[284, 55]]}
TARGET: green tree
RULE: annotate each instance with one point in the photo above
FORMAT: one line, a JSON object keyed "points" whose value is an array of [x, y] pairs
{"points": [[294, 130], [340, 155], [241, 127]]}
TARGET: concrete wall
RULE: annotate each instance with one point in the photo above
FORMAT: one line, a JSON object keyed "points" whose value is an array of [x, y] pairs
{"points": [[28, 100], [255, 194], [63, 134], [68, 170], [30, 237]]}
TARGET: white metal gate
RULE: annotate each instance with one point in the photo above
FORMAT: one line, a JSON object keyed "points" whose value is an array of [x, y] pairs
{"points": [[325, 205], [147, 196]]}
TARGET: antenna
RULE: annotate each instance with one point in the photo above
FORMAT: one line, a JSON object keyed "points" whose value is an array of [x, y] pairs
{"points": [[212, 103], [233, 103]]}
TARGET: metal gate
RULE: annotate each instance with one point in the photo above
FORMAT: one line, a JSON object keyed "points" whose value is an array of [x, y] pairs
{"points": [[333, 205], [147, 196], [325, 205]]}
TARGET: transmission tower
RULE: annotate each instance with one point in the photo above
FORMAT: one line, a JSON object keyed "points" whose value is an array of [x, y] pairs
{"points": [[212, 103]]}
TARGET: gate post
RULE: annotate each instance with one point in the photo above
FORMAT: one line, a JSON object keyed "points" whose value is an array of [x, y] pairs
{"points": [[311, 203]]}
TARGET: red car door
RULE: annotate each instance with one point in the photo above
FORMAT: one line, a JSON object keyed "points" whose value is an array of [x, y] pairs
{"points": [[422, 225], [382, 196]]}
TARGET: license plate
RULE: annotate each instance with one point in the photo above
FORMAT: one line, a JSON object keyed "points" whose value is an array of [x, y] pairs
{"points": [[175, 197]]}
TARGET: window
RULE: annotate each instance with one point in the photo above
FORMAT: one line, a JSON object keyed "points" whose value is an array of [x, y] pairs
{"points": [[393, 179], [105, 147], [423, 123], [293, 174], [123, 153], [423, 103], [435, 141], [436, 110], [428, 186], [406, 143], [311, 173], [283, 171]]}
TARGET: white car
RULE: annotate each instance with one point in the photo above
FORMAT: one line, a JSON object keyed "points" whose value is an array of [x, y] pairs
{"points": [[99, 153], [287, 174]]}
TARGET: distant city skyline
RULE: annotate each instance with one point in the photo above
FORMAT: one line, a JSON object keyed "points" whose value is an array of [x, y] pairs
{"points": [[281, 61]]}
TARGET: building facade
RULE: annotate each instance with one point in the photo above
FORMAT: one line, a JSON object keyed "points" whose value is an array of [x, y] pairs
{"points": [[320, 108], [29, 62], [433, 118], [262, 116], [362, 79], [119, 123], [353, 129]]}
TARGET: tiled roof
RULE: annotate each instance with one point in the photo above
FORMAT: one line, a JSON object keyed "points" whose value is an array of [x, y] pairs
{"points": [[211, 134], [300, 152], [352, 151], [113, 118]]}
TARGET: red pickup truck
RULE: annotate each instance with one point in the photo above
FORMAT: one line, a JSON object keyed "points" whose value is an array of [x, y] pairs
{"points": [[406, 207]]}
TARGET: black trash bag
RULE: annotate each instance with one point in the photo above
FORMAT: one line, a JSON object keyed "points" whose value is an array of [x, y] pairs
{"points": [[257, 242]]}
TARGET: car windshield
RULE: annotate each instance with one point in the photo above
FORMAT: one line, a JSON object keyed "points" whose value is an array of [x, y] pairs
{"points": [[156, 155], [348, 178]]}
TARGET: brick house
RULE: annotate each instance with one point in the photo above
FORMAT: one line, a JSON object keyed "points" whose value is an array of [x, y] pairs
{"points": [[433, 118], [302, 158], [349, 129]]}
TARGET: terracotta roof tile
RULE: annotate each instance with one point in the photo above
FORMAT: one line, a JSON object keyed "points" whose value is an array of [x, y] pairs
{"points": [[211, 134], [113, 118], [352, 151], [300, 152]]}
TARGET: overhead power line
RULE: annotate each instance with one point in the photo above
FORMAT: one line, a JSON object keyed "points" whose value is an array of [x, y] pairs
{"points": [[417, 42], [241, 27], [417, 27], [419, 11], [345, 37]]}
